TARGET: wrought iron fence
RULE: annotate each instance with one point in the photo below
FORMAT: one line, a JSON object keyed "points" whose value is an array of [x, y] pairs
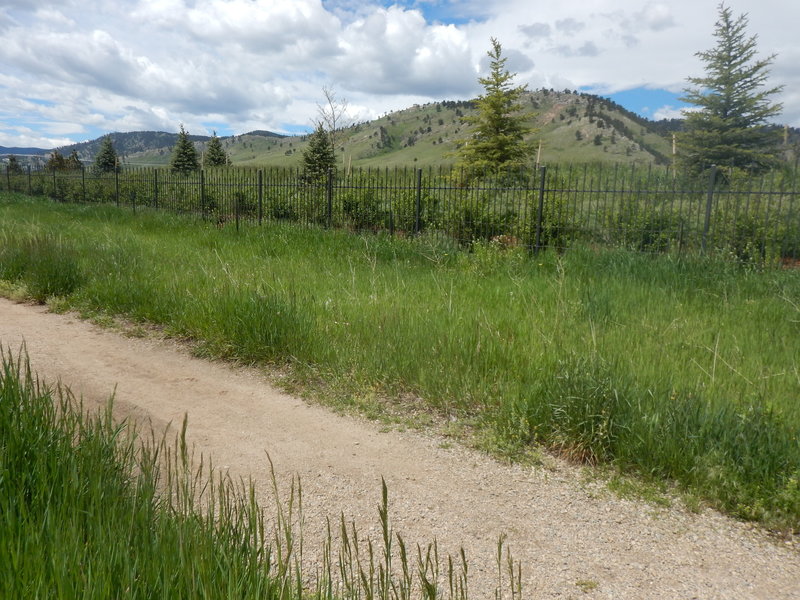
{"points": [[649, 209]]}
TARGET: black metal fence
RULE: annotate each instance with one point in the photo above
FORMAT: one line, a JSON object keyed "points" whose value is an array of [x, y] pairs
{"points": [[649, 209]]}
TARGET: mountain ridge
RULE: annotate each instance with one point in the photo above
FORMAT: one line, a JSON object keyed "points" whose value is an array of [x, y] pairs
{"points": [[569, 126]]}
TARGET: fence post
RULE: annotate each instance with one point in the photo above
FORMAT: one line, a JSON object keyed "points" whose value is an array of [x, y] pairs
{"points": [[260, 196], [83, 183], [202, 193], [30, 188], [8, 177], [155, 188], [116, 185], [133, 201], [236, 210], [55, 186], [329, 197], [712, 178], [418, 204], [540, 210]]}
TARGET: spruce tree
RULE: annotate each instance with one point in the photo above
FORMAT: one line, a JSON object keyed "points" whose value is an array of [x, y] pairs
{"points": [[729, 129], [106, 159], [184, 155], [318, 157], [73, 163], [56, 162], [215, 156], [13, 165], [497, 141]]}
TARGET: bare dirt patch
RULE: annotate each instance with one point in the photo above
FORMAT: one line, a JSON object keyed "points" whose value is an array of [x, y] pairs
{"points": [[575, 540]]}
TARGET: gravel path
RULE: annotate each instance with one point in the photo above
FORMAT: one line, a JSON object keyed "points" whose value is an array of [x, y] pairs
{"points": [[574, 539]]}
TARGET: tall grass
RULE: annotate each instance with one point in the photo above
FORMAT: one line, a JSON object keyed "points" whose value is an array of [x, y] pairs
{"points": [[88, 510], [676, 368]]}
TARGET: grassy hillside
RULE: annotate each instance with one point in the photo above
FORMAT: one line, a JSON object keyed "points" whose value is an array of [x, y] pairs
{"points": [[571, 128]]}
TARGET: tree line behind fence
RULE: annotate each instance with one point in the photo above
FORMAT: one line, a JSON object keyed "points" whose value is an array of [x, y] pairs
{"points": [[647, 209]]}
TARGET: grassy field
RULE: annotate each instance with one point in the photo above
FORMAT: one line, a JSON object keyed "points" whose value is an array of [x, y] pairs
{"points": [[677, 369], [90, 510]]}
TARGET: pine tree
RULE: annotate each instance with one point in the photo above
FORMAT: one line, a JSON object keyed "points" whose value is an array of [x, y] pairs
{"points": [[215, 156], [56, 162], [14, 168], [730, 126], [318, 157], [184, 155], [106, 159], [497, 141], [73, 163]]}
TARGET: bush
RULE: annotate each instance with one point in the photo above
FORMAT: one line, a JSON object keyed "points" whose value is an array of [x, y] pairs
{"points": [[645, 228], [364, 210]]}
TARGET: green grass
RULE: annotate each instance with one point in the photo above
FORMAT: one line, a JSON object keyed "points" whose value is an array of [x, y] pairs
{"points": [[90, 510], [677, 369]]}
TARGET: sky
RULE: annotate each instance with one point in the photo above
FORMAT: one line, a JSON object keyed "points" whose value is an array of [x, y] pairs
{"points": [[72, 70]]}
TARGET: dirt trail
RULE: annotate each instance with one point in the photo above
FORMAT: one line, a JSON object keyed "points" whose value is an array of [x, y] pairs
{"points": [[566, 532]]}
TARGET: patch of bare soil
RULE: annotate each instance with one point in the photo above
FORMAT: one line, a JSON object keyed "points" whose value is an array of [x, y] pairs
{"points": [[574, 539]]}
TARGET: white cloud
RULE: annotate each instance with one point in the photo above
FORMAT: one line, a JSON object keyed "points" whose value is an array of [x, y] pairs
{"points": [[262, 63], [667, 112]]}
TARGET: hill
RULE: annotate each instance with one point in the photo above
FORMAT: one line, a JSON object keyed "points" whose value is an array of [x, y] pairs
{"points": [[570, 127], [131, 143], [16, 151]]}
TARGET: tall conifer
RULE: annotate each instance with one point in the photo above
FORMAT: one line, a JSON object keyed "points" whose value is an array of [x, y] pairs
{"points": [[215, 155], [497, 141], [729, 129], [106, 159], [184, 155], [319, 157]]}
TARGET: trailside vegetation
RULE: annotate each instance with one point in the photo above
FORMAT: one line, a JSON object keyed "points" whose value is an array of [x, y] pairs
{"points": [[89, 509], [603, 356]]}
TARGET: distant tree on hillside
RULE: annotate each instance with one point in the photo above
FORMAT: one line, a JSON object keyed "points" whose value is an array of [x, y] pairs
{"points": [[56, 162], [319, 157], [106, 160], [184, 155], [13, 165], [497, 140], [730, 126], [73, 163], [215, 155]]}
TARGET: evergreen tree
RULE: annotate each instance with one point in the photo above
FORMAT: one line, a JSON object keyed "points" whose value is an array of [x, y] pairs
{"points": [[215, 156], [730, 126], [318, 157], [106, 159], [73, 163], [184, 155], [497, 141], [13, 165], [56, 162]]}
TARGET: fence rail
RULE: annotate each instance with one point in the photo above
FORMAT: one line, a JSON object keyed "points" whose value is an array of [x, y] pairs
{"points": [[649, 209]]}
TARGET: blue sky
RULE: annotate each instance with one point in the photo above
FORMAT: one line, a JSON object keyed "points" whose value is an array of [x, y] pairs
{"points": [[653, 104], [69, 74]]}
